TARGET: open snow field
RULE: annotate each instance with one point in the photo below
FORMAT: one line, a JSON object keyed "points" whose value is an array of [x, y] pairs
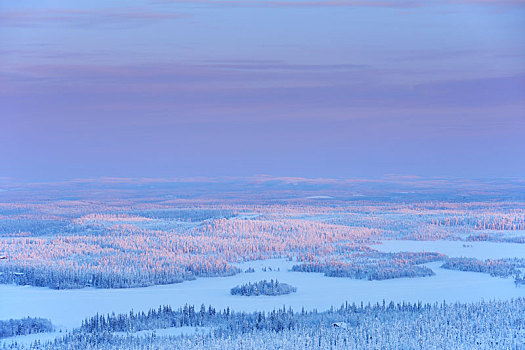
{"points": [[67, 308], [456, 249], [31, 338]]}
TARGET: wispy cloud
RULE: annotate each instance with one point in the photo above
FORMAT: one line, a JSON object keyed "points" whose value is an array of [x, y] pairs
{"points": [[301, 3], [343, 3], [172, 94], [280, 66], [106, 17]]}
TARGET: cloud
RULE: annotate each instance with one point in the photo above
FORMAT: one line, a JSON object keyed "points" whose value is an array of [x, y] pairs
{"points": [[343, 3], [280, 66], [178, 77], [302, 3], [252, 86], [83, 98], [106, 18]]}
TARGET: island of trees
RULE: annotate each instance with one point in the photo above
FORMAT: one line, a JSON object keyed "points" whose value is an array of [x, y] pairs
{"points": [[263, 288]]}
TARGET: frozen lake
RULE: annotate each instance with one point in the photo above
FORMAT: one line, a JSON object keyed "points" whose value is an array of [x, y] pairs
{"points": [[67, 308], [456, 249]]}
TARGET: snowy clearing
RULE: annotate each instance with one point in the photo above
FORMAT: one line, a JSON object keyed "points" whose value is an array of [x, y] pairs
{"points": [[456, 249], [67, 308], [30, 338]]}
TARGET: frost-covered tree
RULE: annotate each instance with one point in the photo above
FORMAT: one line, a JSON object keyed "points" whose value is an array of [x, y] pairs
{"points": [[263, 288]]}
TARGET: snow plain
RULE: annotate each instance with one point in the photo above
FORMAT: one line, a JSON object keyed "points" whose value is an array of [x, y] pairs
{"points": [[456, 249], [67, 308], [31, 338]]}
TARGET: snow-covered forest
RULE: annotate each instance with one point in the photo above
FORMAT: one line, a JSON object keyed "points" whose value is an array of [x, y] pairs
{"points": [[481, 325], [499, 267], [314, 239], [136, 241], [374, 265], [28, 325]]}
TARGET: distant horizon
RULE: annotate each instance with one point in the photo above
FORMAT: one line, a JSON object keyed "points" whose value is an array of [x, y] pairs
{"points": [[266, 188], [254, 178]]}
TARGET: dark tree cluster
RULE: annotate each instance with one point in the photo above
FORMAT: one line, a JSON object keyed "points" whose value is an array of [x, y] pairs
{"points": [[66, 279], [24, 326], [383, 266], [494, 267], [263, 288], [519, 280]]}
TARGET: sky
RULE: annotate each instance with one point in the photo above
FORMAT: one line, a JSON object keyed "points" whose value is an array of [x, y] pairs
{"points": [[310, 88]]}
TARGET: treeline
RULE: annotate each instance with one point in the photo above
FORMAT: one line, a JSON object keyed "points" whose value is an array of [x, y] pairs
{"points": [[491, 237], [374, 266], [486, 221], [13, 227], [56, 278], [480, 325], [494, 267], [263, 288], [24, 326], [366, 272], [186, 214], [182, 214], [227, 321], [135, 242]]}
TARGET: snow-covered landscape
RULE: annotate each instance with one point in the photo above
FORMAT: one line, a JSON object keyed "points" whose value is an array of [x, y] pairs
{"points": [[262, 175], [351, 252], [67, 308]]}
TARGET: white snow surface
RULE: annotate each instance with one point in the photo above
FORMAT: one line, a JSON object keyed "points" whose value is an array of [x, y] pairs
{"points": [[67, 308], [30, 338], [455, 249]]}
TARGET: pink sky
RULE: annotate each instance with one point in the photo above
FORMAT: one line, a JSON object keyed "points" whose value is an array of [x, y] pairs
{"points": [[237, 88]]}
